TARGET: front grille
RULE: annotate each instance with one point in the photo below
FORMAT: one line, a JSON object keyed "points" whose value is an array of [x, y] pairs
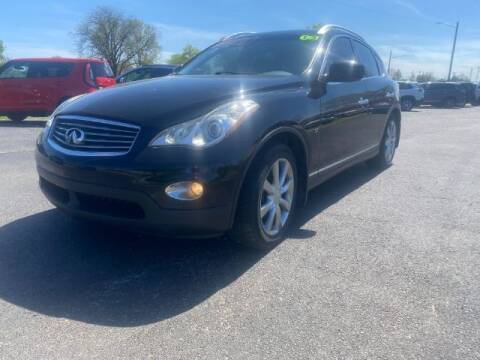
{"points": [[78, 135]]}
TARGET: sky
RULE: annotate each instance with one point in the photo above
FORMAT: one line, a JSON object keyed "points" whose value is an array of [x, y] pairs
{"points": [[43, 28]]}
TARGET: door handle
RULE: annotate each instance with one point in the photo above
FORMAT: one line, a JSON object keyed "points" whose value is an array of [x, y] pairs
{"points": [[363, 102]]}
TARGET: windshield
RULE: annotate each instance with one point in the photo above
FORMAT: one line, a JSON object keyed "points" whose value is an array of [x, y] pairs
{"points": [[285, 54]]}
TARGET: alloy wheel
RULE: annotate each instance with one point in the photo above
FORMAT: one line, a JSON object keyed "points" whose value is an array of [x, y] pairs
{"points": [[276, 197], [390, 141]]}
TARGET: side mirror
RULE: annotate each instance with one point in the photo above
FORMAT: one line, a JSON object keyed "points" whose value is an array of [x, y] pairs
{"points": [[318, 87], [345, 72]]}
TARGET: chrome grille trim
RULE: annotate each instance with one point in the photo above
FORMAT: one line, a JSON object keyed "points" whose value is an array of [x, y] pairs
{"points": [[102, 137]]}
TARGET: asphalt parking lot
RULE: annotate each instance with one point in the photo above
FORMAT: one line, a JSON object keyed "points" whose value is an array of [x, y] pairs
{"points": [[380, 265]]}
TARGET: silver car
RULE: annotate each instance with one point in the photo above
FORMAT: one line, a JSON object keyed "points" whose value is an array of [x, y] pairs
{"points": [[411, 94]]}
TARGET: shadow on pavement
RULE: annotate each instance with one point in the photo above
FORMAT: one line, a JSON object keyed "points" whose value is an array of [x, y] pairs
{"points": [[60, 267], [23, 124]]}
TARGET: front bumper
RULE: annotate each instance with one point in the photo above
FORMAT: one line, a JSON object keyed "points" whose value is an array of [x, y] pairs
{"points": [[131, 192]]}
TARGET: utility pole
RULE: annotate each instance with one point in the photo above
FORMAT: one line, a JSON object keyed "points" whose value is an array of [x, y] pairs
{"points": [[389, 62], [453, 51]]}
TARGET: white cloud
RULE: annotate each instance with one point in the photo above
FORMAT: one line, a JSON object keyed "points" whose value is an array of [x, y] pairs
{"points": [[188, 32], [20, 50], [173, 38], [433, 58], [412, 9]]}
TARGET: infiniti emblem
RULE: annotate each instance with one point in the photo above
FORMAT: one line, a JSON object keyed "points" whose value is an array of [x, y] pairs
{"points": [[74, 136]]}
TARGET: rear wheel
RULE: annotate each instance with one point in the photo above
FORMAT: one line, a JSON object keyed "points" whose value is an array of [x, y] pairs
{"points": [[267, 200], [17, 117], [387, 147], [407, 104]]}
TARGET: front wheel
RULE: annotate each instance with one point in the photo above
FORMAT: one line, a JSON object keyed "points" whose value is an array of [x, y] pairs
{"points": [[267, 200], [387, 147], [407, 104], [17, 117]]}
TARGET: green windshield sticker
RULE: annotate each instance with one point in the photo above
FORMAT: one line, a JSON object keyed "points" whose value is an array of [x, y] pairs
{"points": [[309, 37]]}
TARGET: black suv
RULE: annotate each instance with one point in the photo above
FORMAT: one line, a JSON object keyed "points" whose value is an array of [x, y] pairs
{"points": [[470, 92], [446, 94], [146, 72], [231, 143]]}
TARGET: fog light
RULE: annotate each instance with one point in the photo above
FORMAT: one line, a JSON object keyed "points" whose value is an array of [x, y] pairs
{"points": [[185, 190]]}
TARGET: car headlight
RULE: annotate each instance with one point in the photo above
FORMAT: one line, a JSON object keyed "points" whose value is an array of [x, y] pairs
{"points": [[208, 129]]}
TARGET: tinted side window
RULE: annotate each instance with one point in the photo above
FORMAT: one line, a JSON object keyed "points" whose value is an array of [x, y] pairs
{"points": [[138, 74], [49, 69], [161, 72], [340, 51], [365, 57], [101, 70], [15, 70]]}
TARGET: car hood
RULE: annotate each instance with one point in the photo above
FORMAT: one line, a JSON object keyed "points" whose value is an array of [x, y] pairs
{"points": [[169, 100]]}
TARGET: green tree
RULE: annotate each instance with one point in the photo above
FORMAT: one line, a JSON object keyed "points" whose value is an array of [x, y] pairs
{"points": [[122, 41], [187, 53], [2, 51]]}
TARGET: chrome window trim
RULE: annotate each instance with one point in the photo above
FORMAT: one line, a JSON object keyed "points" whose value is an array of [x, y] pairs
{"points": [[350, 36], [339, 162], [65, 151], [327, 52]]}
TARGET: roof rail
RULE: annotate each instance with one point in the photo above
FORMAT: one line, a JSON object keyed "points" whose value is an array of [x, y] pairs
{"points": [[329, 27], [236, 34]]}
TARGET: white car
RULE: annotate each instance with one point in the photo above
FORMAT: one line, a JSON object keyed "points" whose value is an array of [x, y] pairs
{"points": [[411, 94]]}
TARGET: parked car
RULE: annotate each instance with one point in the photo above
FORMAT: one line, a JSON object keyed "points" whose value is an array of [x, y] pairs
{"points": [[411, 94], [470, 92], [146, 72], [446, 94], [35, 87], [241, 134]]}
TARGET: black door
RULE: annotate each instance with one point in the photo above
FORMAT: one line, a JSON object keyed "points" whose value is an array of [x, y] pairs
{"points": [[380, 93], [335, 134]]}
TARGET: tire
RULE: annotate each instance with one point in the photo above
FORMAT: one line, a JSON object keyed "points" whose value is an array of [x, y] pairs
{"points": [[250, 228], [17, 117], [450, 102], [388, 145], [407, 104]]}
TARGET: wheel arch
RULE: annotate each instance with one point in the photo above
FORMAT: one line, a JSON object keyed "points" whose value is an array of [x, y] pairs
{"points": [[295, 140]]}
